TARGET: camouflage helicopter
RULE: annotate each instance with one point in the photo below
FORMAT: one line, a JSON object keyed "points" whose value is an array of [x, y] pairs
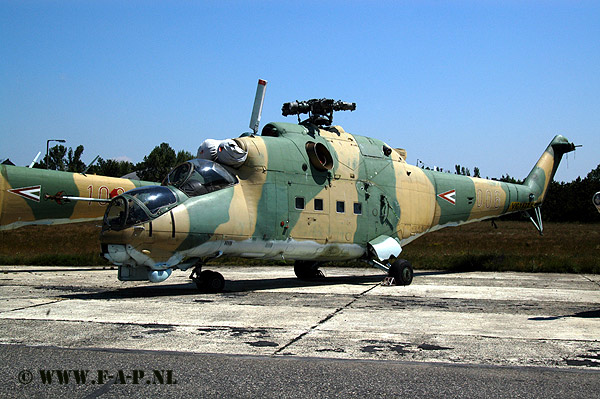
{"points": [[308, 192]]}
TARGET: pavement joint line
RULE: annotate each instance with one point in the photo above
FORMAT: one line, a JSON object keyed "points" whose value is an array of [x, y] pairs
{"points": [[324, 320], [590, 280], [102, 390], [32, 306]]}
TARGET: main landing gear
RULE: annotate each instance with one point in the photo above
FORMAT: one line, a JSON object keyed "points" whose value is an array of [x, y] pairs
{"points": [[307, 270], [400, 271], [207, 280]]}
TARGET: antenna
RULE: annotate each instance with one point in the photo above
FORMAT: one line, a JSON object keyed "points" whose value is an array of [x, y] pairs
{"points": [[35, 160], [90, 165], [258, 104]]}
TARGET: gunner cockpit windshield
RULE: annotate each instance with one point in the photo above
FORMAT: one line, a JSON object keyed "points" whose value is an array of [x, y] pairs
{"points": [[199, 176], [137, 206]]}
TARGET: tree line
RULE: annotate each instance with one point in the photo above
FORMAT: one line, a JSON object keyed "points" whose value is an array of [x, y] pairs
{"points": [[572, 202], [154, 167]]}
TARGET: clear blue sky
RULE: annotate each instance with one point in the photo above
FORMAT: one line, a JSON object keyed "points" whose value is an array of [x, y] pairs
{"points": [[479, 83]]}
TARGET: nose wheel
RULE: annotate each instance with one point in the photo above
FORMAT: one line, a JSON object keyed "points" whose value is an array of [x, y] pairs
{"points": [[207, 280], [402, 272]]}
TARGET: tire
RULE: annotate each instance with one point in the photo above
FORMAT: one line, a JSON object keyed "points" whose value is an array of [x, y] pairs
{"points": [[210, 281], [307, 270], [402, 272]]}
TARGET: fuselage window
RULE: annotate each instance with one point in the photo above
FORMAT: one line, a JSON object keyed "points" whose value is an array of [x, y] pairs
{"points": [[340, 207], [299, 203], [318, 204], [358, 208]]}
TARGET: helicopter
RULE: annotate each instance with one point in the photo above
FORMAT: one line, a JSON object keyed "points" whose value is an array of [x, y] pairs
{"points": [[309, 192]]}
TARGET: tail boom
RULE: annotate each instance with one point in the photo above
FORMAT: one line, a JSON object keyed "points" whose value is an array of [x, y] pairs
{"points": [[463, 199]]}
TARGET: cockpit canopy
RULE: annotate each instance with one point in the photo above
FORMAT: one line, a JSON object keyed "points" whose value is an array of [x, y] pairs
{"points": [[193, 178], [138, 205], [199, 176]]}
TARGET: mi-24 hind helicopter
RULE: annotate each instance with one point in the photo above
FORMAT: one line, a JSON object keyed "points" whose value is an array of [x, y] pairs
{"points": [[309, 192]]}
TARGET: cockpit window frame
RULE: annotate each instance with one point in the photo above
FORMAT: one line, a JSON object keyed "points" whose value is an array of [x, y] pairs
{"points": [[156, 190], [203, 176], [134, 209]]}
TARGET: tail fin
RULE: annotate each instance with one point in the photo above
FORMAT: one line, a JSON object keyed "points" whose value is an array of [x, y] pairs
{"points": [[543, 172]]}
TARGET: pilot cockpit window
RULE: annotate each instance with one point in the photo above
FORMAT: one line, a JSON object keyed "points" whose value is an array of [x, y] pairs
{"points": [[199, 176]]}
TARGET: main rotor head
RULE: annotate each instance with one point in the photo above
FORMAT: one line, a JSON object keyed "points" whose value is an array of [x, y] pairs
{"points": [[320, 111]]}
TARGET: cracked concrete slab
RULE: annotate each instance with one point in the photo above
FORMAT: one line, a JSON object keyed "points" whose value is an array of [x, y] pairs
{"points": [[468, 318]]}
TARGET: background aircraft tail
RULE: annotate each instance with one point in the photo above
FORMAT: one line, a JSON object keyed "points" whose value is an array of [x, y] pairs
{"points": [[24, 196], [543, 172]]}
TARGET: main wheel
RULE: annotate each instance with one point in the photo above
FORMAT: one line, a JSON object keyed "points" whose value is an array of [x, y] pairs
{"points": [[210, 281], [307, 270], [402, 272]]}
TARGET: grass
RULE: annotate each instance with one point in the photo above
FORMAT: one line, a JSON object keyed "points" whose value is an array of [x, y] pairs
{"points": [[61, 245], [514, 246]]}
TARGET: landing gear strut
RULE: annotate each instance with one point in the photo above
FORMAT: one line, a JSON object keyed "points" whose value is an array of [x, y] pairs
{"points": [[207, 280], [307, 270]]}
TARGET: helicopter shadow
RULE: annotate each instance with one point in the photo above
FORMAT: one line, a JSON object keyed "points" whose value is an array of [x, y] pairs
{"points": [[231, 287], [589, 314], [52, 269]]}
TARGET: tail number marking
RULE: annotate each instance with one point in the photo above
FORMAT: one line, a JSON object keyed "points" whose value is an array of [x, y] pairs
{"points": [[104, 192], [489, 200]]}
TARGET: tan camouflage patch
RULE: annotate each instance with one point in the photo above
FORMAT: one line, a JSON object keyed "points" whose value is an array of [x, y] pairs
{"points": [[546, 162], [313, 223], [14, 208], [342, 224], [490, 199], [93, 186], [162, 242], [243, 210], [347, 152], [416, 197]]}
